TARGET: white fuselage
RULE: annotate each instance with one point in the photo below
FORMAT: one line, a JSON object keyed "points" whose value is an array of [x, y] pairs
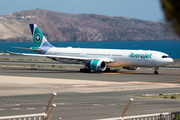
{"points": [[136, 58]]}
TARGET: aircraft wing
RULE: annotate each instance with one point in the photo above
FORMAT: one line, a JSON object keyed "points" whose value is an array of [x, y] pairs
{"points": [[63, 57]]}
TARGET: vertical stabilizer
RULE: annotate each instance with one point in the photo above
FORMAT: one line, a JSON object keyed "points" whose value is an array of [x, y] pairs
{"points": [[39, 39]]}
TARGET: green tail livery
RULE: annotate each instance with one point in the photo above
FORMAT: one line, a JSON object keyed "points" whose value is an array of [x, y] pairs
{"points": [[39, 39]]}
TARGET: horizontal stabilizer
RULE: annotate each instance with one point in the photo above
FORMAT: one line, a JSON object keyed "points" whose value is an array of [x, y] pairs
{"points": [[38, 50]]}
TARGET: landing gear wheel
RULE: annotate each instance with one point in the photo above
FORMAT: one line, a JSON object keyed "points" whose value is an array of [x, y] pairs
{"points": [[155, 72], [107, 70], [85, 70]]}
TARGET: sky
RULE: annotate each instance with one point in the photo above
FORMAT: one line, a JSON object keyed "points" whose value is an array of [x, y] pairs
{"points": [[140, 9]]}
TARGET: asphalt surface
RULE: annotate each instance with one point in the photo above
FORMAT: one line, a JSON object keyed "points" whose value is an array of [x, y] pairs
{"points": [[82, 105], [166, 75]]}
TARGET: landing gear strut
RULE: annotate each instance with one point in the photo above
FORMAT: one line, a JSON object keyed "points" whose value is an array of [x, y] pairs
{"points": [[85, 70], [156, 70]]}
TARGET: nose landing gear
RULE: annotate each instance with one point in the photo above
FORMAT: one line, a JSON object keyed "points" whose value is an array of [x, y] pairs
{"points": [[156, 70]]}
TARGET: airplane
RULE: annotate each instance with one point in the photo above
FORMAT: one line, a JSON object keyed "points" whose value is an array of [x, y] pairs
{"points": [[98, 60]]}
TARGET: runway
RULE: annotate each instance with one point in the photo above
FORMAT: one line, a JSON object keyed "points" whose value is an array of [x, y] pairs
{"points": [[166, 75], [86, 96]]}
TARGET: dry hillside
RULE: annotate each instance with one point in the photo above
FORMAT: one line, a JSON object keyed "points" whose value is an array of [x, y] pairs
{"points": [[57, 26]]}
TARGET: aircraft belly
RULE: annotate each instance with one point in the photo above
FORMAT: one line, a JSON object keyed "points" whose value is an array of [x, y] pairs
{"points": [[69, 61], [114, 65]]}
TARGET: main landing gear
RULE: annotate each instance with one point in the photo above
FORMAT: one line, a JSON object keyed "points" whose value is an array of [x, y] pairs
{"points": [[85, 70], [107, 70], [88, 70], [156, 70]]}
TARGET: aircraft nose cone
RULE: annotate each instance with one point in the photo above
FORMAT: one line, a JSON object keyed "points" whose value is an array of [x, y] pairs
{"points": [[170, 60]]}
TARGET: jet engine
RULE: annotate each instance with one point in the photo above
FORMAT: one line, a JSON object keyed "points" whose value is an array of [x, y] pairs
{"points": [[97, 65], [131, 68]]}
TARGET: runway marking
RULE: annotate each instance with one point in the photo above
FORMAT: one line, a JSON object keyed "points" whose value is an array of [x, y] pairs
{"points": [[61, 103], [98, 105], [112, 104], [174, 80], [16, 108], [30, 108]]}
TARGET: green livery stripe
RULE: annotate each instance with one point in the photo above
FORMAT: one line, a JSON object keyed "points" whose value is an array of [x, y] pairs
{"points": [[94, 64], [34, 48], [38, 36]]}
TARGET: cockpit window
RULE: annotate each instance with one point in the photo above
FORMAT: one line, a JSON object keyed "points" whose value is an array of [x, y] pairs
{"points": [[165, 56]]}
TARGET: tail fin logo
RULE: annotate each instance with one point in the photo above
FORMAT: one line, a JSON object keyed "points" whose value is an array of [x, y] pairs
{"points": [[37, 37]]}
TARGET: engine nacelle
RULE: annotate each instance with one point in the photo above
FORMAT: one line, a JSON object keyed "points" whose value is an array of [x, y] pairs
{"points": [[131, 68], [97, 65]]}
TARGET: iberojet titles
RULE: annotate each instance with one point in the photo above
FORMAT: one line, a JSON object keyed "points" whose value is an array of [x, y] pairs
{"points": [[144, 56]]}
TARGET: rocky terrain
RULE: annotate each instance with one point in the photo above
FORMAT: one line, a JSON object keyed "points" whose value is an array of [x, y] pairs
{"points": [[57, 26]]}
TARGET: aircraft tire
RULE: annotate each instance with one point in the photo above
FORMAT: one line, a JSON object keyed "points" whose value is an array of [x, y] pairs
{"points": [[85, 70], [155, 72], [107, 70]]}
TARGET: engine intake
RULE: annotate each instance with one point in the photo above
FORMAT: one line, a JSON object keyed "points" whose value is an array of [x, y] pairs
{"points": [[97, 65]]}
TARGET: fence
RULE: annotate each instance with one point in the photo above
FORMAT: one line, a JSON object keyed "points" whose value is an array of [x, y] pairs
{"points": [[156, 116], [39, 116], [47, 115]]}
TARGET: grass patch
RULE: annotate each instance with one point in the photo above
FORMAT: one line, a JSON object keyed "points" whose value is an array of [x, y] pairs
{"points": [[173, 97], [61, 67], [4, 58], [32, 65], [166, 97]]}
